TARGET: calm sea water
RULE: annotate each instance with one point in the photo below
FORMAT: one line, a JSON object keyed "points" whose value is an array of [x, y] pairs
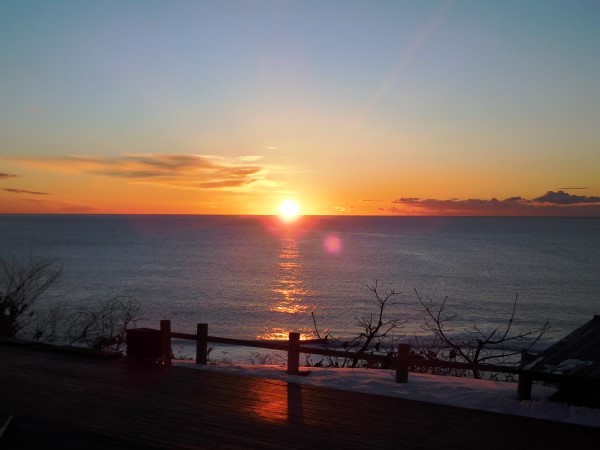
{"points": [[259, 277]]}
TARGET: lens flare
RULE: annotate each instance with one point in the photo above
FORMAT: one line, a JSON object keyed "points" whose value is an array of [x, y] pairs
{"points": [[333, 244]]}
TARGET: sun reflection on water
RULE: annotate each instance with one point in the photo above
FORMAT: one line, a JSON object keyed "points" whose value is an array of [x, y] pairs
{"points": [[288, 289], [282, 334]]}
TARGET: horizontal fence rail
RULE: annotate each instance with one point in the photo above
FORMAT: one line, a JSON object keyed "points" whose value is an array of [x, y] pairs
{"points": [[402, 359], [231, 341], [294, 345], [412, 362]]}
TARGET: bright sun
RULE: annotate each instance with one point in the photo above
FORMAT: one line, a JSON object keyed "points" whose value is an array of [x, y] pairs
{"points": [[289, 209]]}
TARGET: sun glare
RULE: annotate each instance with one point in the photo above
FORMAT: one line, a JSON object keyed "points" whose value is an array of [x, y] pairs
{"points": [[289, 209]]}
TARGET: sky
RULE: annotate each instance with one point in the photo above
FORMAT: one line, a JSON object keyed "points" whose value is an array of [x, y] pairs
{"points": [[484, 395], [430, 107]]}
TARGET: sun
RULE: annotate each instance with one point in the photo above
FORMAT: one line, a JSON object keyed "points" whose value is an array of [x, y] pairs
{"points": [[289, 209]]}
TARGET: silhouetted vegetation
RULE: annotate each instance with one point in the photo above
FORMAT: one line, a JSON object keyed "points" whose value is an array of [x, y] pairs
{"points": [[376, 335], [500, 345], [21, 285], [101, 325]]}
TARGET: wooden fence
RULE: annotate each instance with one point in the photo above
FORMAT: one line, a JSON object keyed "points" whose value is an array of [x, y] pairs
{"points": [[403, 360]]}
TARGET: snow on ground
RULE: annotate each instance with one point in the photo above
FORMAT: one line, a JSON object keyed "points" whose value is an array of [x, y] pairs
{"points": [[495, 396]]}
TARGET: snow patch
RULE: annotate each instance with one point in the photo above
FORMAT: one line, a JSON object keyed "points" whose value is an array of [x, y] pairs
{"points": [[568, 365]]}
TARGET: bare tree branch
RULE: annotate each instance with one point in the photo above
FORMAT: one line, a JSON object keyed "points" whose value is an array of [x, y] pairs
{"points": [[21, 284], [375, 335], [475, 345]]}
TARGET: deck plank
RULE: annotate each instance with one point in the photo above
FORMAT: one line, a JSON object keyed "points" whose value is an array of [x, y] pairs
{"points": [[120, 404]]}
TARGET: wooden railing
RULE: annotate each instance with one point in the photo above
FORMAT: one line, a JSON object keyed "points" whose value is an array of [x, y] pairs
{"points": [[402, 359]]}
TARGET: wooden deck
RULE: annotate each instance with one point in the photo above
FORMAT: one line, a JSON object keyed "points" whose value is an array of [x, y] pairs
{"points": [[72, 402]]}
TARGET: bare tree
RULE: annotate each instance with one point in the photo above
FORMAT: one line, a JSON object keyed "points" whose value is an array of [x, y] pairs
{"points": [[21, 284], [47, 326], [375, 337], [474, 345], [103, 325]]}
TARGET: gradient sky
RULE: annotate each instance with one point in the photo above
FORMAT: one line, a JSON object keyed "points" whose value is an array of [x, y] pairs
{"points": [[349, 107]]}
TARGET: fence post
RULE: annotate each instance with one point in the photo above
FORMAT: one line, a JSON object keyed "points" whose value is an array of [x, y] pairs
{"points": [[525, 384], [293, 354], [165, 338], [201, 343], [402, 363]]}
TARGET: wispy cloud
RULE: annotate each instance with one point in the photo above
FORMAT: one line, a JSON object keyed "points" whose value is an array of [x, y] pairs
{"points": [[75, 208], [7, 175], [552, 204], [573, 188], [170, 170], [42, 205], [342, 209], [24, 191]]}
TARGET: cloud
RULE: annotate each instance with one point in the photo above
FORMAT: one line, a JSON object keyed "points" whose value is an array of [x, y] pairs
{"points": [[7, 175], [170, 170], [564, 198], [549, 204], [513, 205], [342, 209], [573, 188], [23, 191], [43, 205], [75, 208]]}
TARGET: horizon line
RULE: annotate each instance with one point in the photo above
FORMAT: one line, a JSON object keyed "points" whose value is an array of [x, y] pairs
{"points": [[536, 216]]}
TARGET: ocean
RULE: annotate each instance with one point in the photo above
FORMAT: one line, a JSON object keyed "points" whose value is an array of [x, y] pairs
{"points": [[259, 277]]}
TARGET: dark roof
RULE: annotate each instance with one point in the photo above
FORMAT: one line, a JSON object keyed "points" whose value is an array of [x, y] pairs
{"points": [[578, 354]]}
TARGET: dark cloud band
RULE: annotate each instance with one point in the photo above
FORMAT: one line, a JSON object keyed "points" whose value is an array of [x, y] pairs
{"points": [[551, 203], [24, 191], [564, 198]]}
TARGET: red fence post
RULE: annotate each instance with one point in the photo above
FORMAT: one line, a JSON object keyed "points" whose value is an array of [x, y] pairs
{"points": [[293, 354], [165, 338], [202, 343], [402, 363]]}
